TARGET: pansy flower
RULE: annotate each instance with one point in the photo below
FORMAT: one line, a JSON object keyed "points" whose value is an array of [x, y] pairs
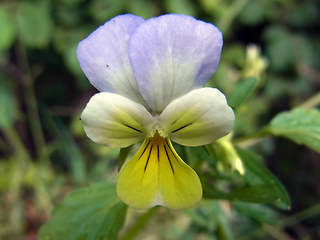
{"points": [[150, 74]]}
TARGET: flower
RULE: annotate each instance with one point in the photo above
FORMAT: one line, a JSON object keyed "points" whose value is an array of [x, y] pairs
{"points": [[229, 160], [150, 75], [256, 64]]}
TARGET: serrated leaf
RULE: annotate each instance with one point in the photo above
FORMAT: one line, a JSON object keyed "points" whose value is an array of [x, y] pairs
{"points": [[35, 25], [299, 125], [7, 30], [243, 91], [91, 213], [258, 176]]}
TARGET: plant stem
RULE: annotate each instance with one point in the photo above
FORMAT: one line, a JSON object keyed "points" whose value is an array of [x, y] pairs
{"points": [[300, 216], [31, 102], [20, 164], [311, 102], [24, 162], [16, 142], [283, 223], [253, 138], [230, 14], [139, 224], [275, 232]]}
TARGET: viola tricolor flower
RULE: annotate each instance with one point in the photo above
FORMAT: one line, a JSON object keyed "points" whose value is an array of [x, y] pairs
{"points": [[150, 74]]}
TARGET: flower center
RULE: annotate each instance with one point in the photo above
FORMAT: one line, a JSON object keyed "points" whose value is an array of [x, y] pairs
{"points": [[156, 148]]}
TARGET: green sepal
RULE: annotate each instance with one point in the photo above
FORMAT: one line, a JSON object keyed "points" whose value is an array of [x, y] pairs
{"points": [[123, 154]]}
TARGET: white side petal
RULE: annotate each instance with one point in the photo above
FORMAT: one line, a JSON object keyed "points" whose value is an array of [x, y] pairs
{"points": [[103, 57], [115, 121], [197, 118]]}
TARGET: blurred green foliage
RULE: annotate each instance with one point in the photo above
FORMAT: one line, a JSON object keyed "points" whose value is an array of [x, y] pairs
{"points": [[44, 153], [101, 215]]}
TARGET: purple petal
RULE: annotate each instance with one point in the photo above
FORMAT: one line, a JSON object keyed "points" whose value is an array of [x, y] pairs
{"points": [[172, 54], [103, 57]]}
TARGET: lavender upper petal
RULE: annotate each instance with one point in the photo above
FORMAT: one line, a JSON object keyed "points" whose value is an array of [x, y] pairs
{"points": [[103, 57], [172, 54]]}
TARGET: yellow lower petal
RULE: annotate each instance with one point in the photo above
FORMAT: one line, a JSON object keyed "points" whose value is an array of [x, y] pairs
{"points": [[156, 175]]}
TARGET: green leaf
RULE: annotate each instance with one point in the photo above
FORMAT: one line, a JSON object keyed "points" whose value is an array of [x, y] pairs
{"points": [[258, 212], [259, 185], [35, 25], [262, 186], [299, 125], [263, 182], [253, 194], [213, 193], [243, 91], [7, 30], [91, 213]]}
